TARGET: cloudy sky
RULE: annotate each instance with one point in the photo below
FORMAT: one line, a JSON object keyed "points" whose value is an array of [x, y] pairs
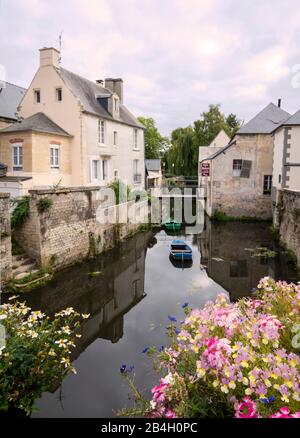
{"points": [[175, 56]]}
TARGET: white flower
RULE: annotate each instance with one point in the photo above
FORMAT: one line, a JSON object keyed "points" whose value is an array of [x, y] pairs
{"points": [[3, 317], [153, 405]]}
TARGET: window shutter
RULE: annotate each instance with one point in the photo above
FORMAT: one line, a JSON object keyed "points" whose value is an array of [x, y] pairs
{"points": [[246, 168]]}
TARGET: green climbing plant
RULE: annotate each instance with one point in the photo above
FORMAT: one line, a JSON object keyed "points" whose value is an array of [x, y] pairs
{"points": [[20, 211]]}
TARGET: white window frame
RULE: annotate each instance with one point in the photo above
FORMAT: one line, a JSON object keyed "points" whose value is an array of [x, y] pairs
{"points": [[92, 168], [268, 186], [103, 174], [57, 89], [101, 131], [18, 166], [115, 138], [54, 156], [135, 139], [237, 167]]}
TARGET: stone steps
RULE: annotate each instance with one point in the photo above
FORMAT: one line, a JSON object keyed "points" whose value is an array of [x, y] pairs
{"points": [[22, 267]]}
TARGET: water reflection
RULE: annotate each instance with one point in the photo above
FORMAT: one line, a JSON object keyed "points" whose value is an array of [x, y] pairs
{"points": [[130, 301], [227, 256]]}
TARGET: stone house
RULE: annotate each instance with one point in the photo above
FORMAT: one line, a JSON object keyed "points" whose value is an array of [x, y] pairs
{"points": [[218, 142], [88, 136], [237, 179], [153, 173], [10, 97]]}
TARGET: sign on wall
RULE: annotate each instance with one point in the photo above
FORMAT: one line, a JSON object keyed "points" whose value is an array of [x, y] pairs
{"points": [[205, 169]]}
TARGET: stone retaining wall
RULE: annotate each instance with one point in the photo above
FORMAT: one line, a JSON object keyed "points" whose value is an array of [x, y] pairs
{"points": [[5, 238], [69, 230], [289, 206]]}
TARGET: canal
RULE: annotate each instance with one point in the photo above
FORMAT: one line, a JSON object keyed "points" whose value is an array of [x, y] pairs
{"points": [[130, 301]]}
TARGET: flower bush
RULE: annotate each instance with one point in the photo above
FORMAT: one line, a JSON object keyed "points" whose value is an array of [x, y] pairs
{"points": [[233, 359], [36, 353]]}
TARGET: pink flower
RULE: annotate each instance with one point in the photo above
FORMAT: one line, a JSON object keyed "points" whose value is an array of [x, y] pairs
{"points": [[158, 393], [170, 414], [246, 409]]}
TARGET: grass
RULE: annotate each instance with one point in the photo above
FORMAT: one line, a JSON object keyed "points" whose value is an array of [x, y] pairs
{"points": [[220, 216], [28, 283]]}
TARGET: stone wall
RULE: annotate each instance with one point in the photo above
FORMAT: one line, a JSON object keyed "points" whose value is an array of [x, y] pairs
{"points": [[5, 238], [69, 230], [289, 217], [235, 195]]}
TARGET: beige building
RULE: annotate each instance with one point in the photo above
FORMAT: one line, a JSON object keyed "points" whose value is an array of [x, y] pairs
{"points": [[238, 177], [153, 173], [219, 142], [98, 140]]}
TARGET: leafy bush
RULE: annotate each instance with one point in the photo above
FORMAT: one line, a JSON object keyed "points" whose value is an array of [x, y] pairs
{"points": [[239, 358], [20, 211], [122, 191], [36, 354], [44, 204]]}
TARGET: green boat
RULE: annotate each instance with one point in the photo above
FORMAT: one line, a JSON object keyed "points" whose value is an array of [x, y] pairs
{"points": [[172, 225]]}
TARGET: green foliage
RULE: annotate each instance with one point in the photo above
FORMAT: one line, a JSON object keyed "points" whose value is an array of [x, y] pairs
{"points": [[263, 252], [155, 143], [182, 156], [220, 216], [44, 204], [20, 211], [95, 273], [36, 354], [122, 191]]}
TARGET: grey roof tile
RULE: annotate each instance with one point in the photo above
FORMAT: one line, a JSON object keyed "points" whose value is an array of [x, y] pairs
{"points": [[153, 165], [10, 97], [38, 122], [87, 91], [266, 121], [220, 151], [293, 120]]}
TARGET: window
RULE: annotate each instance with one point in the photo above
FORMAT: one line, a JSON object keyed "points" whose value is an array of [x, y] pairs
{"points": [[115, 138], [135, 138], [267, 184], [116, 174], [54, 156], [94, 169], [242, 168], [104, 170], [137, 177], [37, 96], [237, 167], [279, 179], [101, 131], [58, 93], [17, 157]]}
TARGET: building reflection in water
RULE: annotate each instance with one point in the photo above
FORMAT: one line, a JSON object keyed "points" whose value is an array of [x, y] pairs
{"points": [[106, 297], [225, 254]]}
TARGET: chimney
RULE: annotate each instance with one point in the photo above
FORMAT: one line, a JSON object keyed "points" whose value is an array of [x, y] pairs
{"points": [[115, 86], [100, 82], [49, 56], [279, 103]]}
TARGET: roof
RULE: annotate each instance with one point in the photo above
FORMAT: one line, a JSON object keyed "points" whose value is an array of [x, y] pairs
{"points": [[14, 178], [220, 151], [10, 97], [87, 92], [38, 122], [178, 242], [153, 165], [265, 121], [293, 120]]}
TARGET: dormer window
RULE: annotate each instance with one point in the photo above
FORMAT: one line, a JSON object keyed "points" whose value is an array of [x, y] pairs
{"points": [[37, 96]]}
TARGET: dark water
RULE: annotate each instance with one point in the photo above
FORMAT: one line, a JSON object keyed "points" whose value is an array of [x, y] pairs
{"points": [[130, 303]]}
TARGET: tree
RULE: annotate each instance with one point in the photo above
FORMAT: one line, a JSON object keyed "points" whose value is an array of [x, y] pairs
{"points": [[155, 143], [211, 123], [182, 156]]}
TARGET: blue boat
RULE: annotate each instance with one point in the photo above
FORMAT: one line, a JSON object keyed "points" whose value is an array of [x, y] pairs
{"points": [[180, 250]]}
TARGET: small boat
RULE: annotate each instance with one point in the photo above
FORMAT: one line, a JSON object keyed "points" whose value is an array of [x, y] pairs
{"points": [[172, 225], [180, 250]]}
